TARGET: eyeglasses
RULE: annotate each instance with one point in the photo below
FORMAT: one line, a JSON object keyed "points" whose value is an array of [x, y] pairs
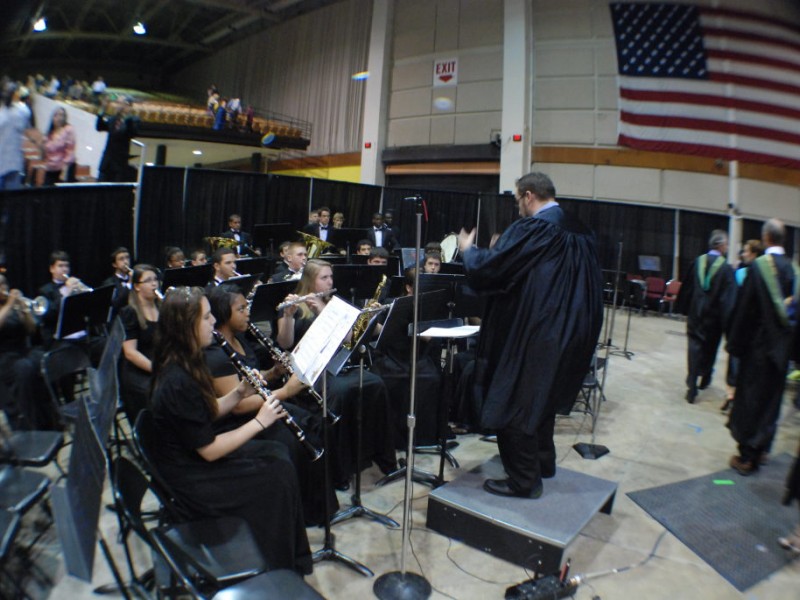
{"points": [[149, 280]]}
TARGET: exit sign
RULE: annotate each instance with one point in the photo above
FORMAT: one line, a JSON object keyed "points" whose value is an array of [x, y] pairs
{"points": [[445, 72]]}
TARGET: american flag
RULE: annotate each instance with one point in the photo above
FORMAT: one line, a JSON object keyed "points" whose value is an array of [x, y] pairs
{"points": [[709, 82]]}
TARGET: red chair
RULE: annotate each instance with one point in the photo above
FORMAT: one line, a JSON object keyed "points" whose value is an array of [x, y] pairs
{"points": [[670, 295], [654, 290]]}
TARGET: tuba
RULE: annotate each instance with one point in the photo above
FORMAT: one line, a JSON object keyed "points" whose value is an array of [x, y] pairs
{"points": [[217, 242], [314, 245]]}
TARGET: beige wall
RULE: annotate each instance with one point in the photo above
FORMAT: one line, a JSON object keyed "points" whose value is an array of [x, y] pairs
{"points": [[427, 30]]}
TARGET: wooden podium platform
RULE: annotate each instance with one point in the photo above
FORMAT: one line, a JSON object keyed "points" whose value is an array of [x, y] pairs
{"points": [[520, 530]]}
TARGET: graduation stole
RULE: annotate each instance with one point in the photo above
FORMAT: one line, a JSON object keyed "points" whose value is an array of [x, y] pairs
{"points": [[702, 265], [769, 273]]}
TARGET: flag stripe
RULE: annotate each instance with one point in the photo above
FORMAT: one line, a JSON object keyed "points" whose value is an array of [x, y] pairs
{"points": [[756, 82], [790, 57], [710, 125], [752, 18], [750, 37], [710, 150], [711, 112], [761, 74], [741, 57]]}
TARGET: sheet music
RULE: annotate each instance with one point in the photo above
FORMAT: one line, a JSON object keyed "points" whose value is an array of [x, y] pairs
{"points": [[451, 332], [322, 340]]}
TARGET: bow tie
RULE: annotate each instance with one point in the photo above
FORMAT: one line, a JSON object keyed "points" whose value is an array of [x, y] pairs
{"points": [[234, 231], [323, 226]]}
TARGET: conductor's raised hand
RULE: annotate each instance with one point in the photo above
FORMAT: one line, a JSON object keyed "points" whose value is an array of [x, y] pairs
{"points": [[466, 239]]}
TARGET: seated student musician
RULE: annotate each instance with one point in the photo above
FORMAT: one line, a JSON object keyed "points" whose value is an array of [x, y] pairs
{"points": [[232, 314], [322, 227], [25, 404], [293, 323], [175, 259], [120, 279], [380, 235], [393, 364], [294, 261], [234, 232], [198, 258], [364, 247], [60, 286], [432, 263], [378, 257], [224, 262], [228, 473], [140, 319]]}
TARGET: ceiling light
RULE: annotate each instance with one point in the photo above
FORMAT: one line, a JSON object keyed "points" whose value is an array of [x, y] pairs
{"points": [[360, 76], [197, 152], [139, 28], [40, 24]]}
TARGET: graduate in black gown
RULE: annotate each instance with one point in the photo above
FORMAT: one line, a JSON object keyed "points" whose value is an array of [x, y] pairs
{"points": [[232, 315], [377, 444], [707, 296], [761, 337], [543, 315], [216, 474]]}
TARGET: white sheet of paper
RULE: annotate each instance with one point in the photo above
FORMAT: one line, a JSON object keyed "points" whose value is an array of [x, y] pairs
{"points": [[322, 340], [451, 332]]}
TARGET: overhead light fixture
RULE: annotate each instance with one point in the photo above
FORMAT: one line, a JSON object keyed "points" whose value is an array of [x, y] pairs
{"points": [[40, 24], [197, 152], [139, 28], [360, 76]]}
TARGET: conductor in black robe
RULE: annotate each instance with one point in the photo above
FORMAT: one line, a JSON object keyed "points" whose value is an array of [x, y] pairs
{"points": [[542, 320], [709, 296], [121, 128], [761, 337]]}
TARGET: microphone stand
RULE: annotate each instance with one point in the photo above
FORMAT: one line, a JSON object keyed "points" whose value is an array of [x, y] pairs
{"points": [[402, 585], [328, 550]]}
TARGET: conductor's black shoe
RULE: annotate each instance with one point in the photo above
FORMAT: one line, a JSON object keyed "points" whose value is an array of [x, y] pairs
{"points": [[690, 396], [547, 469], [502, 487]]}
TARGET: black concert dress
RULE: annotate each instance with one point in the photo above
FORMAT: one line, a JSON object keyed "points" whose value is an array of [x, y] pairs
{"points": [[134, 389], [310, 474], [256, 482]]}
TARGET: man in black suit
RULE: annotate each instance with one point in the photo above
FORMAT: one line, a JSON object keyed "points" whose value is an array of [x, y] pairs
{"points": [[234, 232], [121, 279], [224, 262], [322, 227], [388, 219], [121, 128], [293, 262], [379, 235]]}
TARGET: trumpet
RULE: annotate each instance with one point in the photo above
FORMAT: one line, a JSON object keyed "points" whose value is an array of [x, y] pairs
{"points": [[237, 274], [161, 295], [38, 306], [254, 380], [77, 286], [305, 298], [282, 358]]}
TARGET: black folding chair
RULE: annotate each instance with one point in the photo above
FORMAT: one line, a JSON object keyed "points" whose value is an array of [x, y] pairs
{"points": [[31, 448], [62, 368]]}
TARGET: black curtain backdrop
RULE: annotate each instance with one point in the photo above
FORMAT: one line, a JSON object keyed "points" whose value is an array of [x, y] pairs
{"points": [[497, 213], [643, 230], [356, 201], [695, 229], [86, 222], [287, 200], [161, 213], [448, 212], [212, 196]]}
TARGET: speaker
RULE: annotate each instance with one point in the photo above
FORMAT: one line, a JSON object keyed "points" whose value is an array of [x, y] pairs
{"points": [[161, 155]]}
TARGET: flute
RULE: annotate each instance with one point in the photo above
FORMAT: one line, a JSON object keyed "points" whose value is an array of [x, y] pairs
{"points": [[305, 298], [282, 358], [254, 380]]}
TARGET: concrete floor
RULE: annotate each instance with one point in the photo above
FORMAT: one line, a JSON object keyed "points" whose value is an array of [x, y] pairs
{"points": [[655, 438]]}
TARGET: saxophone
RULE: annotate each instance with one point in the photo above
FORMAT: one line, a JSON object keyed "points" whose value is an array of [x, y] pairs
{"points": [[363, 319]]}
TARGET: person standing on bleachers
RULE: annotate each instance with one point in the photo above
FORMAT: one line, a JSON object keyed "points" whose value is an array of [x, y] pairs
{"points": [[122, 128]]}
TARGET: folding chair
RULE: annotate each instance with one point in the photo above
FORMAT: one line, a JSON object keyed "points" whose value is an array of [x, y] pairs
{"points": [[216, 552], [31, 448], [61, 368]]}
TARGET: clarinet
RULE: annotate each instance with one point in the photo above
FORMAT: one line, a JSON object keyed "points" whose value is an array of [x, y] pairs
{"points": [[282, 358], [254, 380]]}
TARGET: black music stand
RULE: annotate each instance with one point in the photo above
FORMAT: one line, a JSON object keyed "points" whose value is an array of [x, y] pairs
{"points": [[357, 281], [245, 283], [357, 509], [451, 268], [271, 235], [262, 265], [197, 276], [267, 297], [84, 311], [346, 238], [392, 265], [398, 325]]}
